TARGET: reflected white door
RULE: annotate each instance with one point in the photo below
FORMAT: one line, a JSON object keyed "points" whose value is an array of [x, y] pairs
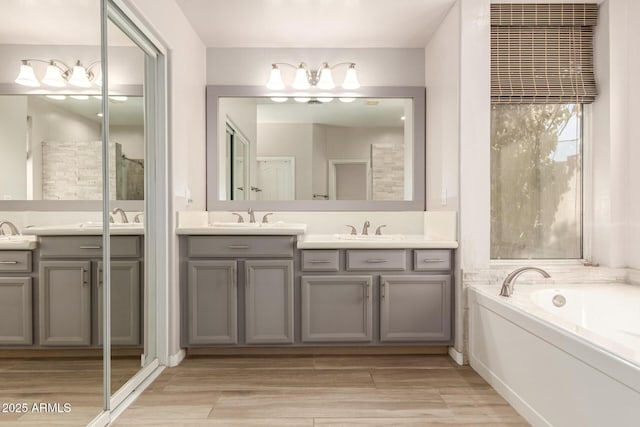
{"points": [[276, 178]]}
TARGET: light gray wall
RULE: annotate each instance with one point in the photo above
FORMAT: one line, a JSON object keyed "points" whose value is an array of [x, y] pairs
{"points": [[319, 184], [131, 138], [126, 64], [443, 121], [290, 139], [355, 143], [376, 67], [13, 140]]}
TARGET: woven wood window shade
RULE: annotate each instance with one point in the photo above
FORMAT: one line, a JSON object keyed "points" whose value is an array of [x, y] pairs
{"points": [[542, 53]]}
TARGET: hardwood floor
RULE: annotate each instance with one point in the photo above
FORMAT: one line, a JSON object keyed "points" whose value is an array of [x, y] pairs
{"points": [[76, 381], [328, 391]]}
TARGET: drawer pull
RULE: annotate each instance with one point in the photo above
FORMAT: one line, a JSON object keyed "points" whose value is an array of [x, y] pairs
{"points": [[90, 247], [319, 261], [432, 260], [8, 262], [376, 261], [238, 246]]}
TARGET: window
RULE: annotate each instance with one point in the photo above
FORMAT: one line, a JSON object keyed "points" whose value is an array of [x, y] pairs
{"points": [[536, 181]]}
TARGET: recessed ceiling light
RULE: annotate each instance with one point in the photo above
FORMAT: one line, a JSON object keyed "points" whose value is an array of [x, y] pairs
{"points": [[402, 118], [99, 114]]}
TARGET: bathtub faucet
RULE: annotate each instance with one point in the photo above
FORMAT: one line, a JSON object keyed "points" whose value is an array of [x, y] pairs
{"points": [[509, 281]]}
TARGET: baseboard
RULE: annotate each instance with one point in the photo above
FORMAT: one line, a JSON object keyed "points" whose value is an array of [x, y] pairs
{"points": [[310, 351], [510, 395], [456, 356], [176, 359]]}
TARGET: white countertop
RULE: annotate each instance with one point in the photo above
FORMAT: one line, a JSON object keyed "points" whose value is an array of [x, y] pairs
{"points": [[84, 229], [246, 229], [12, 243], [333, 241]]}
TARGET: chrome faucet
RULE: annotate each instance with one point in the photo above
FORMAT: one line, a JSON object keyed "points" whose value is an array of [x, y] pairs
{"points": [[252, 217], [353, 230], [265, 218], [12, 228], [240, 219], [509, 281], [138, 218], [379, 230], [365, 228], [123, 215]]}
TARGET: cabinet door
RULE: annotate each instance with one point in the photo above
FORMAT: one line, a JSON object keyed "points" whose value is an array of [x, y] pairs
{"points": [[269, 302], [336, 308], [16, 327], [415, 308], [65, 303], [213, 300], [125, 303]]}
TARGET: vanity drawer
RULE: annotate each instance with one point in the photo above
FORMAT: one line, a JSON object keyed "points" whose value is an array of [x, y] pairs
{"points": [[426, 260], [15, 261], [376, 260], [320, 260], [240, 246], [88, 247]]}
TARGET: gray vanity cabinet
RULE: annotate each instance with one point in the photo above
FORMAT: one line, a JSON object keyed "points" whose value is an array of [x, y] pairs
{"points": [[125, 303], [212, 302], [65, 303], [336, 308], [269, 302], [15, 311], [16, 306], [415, 308]]}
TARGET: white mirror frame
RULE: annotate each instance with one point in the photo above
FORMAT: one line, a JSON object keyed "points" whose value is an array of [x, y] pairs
{"points": [[417, 93]]}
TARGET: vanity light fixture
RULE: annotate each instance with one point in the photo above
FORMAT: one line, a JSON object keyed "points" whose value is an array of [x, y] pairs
{"points": [[305, 78], [58, 74]]}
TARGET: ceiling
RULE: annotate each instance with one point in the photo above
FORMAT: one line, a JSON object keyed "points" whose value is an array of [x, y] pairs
{"points": [[315, 23], [54, 22]]}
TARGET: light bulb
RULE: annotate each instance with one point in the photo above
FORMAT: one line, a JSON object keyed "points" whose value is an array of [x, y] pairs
{"points": [[279, 98], [26, 76], [325, 99], [275, 79], [346, 100], [326, 78], [79, 76], [301, 81], [57, 97], [351, 78], [53, 76], [80, 97]]}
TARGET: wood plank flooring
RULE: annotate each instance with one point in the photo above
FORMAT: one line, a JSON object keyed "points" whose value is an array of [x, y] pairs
{"points": [[328, 391], [77, 381]]}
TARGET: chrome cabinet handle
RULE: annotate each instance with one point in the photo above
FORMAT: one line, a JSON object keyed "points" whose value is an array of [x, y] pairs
{"points": [[383, 291], [238, 246], [90, 247], [82, 279], [319, 261], [432, 260], [376, 261], [366, 290], [99, 278], [8, 262]]}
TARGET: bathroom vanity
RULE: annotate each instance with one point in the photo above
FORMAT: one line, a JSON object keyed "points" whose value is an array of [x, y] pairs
{"points": [[297, 290], [50, 294]]}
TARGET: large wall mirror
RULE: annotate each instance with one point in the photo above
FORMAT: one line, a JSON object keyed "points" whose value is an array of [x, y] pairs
{"points": [[51, 147], [315, 153]]}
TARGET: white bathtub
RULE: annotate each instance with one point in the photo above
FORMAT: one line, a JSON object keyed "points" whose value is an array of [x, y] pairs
{"points": [[577, 364]]}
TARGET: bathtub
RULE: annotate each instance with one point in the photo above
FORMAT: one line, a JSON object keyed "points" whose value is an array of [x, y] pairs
{"points": [[562, 356]]}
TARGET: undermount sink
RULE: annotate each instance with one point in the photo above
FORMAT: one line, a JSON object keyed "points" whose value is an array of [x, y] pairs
{"points": [[372, 237], [18, 242]]}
